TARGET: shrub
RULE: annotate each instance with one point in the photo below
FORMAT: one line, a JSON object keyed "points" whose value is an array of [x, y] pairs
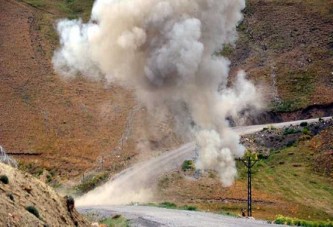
{"points": [[186, 207], [91, 182], [70, 203], [4, 179], [298, 222], [33, 210], [10, 196], [288, 131], [304, 124], [188, 165], [168, 205], [290, 143], [116, 220], [306, 131]]}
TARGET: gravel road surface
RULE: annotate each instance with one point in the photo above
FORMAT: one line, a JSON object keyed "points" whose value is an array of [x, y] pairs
{"points": [[144, 216]]}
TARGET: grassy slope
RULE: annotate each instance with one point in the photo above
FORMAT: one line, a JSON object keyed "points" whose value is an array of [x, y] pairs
{"points": [[284, 183], [287, 46], [289, 175]]}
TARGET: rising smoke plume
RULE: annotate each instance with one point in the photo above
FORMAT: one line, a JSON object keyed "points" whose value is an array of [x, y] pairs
{"points": [[165, 50]]}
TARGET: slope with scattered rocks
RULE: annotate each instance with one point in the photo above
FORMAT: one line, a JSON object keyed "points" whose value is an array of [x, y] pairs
{"points": [[22, 191]]}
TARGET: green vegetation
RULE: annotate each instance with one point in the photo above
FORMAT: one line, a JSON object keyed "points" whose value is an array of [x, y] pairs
{"points": [[288, 131], [170, 205], [91, 182], [187, 207], [70, 8], [227, 50], [288, 173], [306, 131], [36, 3], [4, 179], [116, 221], [298, 88], [188, 165], [299, 222], [304, 124], [33, 210]]}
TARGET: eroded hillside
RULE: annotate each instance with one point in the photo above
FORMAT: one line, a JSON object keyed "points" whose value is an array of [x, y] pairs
{"points": [[26, 201]]}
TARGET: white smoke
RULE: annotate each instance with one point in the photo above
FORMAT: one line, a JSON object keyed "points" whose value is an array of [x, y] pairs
{"points": [[165, 51]]}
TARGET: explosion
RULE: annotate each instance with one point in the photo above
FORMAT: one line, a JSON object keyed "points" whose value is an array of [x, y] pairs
{"points": [[166, 51]]}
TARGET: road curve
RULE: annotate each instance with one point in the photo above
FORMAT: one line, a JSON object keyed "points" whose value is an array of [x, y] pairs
{"points": [[140, 216], [127, 185]]}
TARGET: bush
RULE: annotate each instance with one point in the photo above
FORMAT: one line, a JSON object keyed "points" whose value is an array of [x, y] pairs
{"points": [[288, 131], [304, 124], [91, 182], [186, 207], [188, 165], [306, 131], [168, 205], [298, 222], [33, 210], [10, 196], [4, 179]]}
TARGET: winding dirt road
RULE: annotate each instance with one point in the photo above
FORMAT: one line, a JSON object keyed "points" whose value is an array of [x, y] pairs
{"points": [[134, 184]]}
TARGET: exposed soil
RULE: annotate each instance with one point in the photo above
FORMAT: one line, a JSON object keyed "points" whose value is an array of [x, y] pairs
{"points": [[71, 124], [22, 191], [287, 47]]}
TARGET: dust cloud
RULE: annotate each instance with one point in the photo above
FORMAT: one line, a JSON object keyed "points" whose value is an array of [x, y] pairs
{"points": [[167, 52]]}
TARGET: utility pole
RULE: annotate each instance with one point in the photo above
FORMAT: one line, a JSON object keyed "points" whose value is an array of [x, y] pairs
{"points": [[249, 163]]}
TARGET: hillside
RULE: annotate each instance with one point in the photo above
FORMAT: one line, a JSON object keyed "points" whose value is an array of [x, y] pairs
{"points": [[80, 128], [287, 46], [22, 191], [293, 177], [283, 45], [72, 126]]}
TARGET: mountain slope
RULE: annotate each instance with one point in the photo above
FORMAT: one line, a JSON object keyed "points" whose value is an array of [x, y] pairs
{"points": [[22, 191]]}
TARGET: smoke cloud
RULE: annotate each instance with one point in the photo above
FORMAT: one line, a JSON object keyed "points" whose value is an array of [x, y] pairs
{"points": [[165, 51]]}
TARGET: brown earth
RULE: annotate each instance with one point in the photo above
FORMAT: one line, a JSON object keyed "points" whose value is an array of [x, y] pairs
{"points": [[287, 46], [24, 190], [70, 123]]}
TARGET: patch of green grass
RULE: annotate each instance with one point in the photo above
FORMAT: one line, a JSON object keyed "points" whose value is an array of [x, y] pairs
{"points": [[227, 50], [297, 89], [91, 182], [288, 131], [187, 207], [299, 222], [36, 3], [168, 205], [116, 221], [291, 177]]}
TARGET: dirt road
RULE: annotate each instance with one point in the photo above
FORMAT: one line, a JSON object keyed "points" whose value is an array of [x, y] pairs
{"points": [[143, 216], [136, 182]]}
